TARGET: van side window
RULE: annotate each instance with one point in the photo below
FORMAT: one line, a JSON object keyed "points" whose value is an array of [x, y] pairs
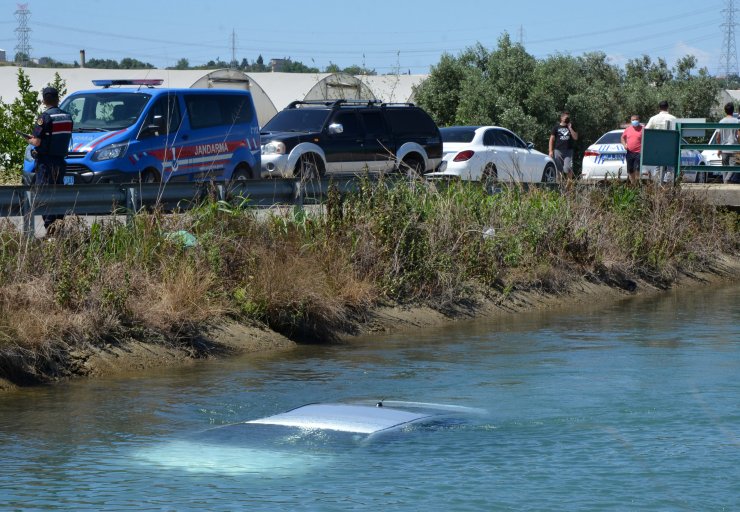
{"points": [[236, 109], [209, 110], [168, 107]]}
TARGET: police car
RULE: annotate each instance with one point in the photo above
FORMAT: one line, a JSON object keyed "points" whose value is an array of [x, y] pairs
{"points": [[606, 159], [130, 130]]}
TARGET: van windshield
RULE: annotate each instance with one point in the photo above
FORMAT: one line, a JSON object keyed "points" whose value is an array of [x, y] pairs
{"points": [[102, 112]]}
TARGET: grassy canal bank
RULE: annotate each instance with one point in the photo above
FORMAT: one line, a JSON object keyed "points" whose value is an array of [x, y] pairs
{"points": [[311, 277]]}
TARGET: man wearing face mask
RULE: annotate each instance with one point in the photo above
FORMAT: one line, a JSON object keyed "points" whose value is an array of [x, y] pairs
{"points": [[632, 142], [561, 146]]}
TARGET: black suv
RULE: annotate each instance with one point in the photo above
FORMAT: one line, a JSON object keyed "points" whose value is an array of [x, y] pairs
{"points": [[311, 138]]}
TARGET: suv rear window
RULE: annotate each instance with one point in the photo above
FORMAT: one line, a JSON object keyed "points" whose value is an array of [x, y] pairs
{"points": [[297, 120], [404, 121]]}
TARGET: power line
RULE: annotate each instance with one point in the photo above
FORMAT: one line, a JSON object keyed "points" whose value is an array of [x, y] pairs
{"points": [[728, 59]]}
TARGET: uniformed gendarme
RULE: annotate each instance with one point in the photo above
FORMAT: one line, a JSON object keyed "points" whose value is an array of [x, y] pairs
{"points": [[51, 136]]}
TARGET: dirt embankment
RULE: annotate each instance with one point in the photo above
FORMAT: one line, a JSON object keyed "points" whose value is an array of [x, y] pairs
{"points": [[232, 338]]}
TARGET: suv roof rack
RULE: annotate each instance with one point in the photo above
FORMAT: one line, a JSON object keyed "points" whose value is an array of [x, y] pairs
{"points": [[334, 103], [399, 104]]}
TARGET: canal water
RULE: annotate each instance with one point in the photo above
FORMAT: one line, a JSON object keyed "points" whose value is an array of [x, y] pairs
{"points": [[632, 405]]}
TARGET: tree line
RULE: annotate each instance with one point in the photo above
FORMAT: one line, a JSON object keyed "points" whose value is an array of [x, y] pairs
{"points": [[257, 66], [507, 86]]}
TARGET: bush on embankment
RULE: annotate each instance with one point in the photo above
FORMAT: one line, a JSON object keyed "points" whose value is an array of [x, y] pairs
{"points": [[310, 274]]}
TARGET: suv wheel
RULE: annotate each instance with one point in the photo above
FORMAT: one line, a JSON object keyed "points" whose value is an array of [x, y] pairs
{"points": [[309, 167], [412, 167]]}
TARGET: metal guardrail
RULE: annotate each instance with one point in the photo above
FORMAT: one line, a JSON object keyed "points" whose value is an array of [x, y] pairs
{"points": [[129, 198], [680, 127]]}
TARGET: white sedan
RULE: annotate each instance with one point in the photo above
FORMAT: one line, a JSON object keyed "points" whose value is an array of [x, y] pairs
{"points": [[607, 159], [491, 153]]}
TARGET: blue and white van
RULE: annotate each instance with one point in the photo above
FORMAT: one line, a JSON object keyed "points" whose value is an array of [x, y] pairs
{"points": [[129, 130]]}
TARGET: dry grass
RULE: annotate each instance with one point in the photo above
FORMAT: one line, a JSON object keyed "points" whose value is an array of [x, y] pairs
{"points": [[309, 275]]}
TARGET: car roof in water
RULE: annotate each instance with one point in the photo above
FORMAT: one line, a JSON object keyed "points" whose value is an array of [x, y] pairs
{"points": [[361, 419]]}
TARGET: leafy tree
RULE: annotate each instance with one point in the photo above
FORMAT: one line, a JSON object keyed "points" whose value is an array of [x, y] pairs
{"points": [[440, 93], [298, 67], [129, 63], [20, 115], [332, 68], [182, 64], [21, 57], [359, 70], [260, 65]]}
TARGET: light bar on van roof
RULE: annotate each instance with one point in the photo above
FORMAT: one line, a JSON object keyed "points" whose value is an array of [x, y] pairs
{"points": [[148, 82]]}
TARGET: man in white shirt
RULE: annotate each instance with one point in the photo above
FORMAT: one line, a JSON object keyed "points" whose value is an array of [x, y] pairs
{"points": [[661, 121], [728, 136]]}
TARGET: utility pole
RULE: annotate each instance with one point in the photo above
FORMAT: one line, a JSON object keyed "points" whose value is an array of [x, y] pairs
{"points": [[521, 35], [234, 63], [23, 32], [728, 59]]}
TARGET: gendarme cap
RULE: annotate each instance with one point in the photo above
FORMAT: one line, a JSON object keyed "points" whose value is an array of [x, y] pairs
{"points": [[49, 91]]}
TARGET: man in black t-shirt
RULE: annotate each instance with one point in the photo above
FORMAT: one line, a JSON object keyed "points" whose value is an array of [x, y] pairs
{"points": [[561, 146]]}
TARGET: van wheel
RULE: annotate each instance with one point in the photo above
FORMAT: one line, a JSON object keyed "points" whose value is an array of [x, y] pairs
{"points": [[548, 175], [149, 176], [412, 167], [309, 167], [242, 173]]}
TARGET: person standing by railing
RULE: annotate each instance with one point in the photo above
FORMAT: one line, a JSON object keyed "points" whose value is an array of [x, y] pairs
{"points": [[51, 137], [632, 142], [663, 120], [727, 136]]}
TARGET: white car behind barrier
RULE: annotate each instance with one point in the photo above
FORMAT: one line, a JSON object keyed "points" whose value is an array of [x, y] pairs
{"points": [[605, 159]]}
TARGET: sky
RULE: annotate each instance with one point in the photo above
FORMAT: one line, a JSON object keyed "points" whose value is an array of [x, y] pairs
{"points": [[406, 36]]}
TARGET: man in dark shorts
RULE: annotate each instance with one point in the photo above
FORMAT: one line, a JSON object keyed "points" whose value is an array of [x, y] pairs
{"points": [[561, 146], [632, 142]]}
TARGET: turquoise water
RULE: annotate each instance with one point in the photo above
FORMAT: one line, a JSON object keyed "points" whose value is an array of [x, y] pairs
{"points": [[628, 406]]}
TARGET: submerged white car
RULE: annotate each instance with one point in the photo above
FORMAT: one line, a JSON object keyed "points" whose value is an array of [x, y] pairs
{"points": [[304, 439], [606, 159], [491, 153]]}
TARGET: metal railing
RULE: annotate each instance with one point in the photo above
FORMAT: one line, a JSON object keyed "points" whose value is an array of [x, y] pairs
{"points": [[680, 127], [129, 198]]}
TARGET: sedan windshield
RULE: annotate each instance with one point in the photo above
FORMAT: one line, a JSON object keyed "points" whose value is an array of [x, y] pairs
{"points": [[458, 134], [297, 120], [105, 111]]}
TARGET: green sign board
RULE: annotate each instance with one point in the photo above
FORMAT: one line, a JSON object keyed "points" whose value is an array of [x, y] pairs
{"points": [[660, 147]]}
